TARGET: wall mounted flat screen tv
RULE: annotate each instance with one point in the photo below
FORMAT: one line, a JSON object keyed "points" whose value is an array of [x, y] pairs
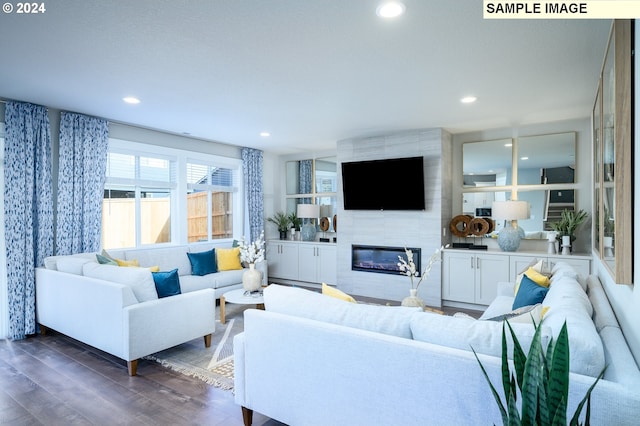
{"points": [[391, 184]]}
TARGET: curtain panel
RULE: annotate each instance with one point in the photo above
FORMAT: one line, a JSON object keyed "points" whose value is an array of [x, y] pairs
{"points": [[252, 163], [305, 182], [84, 145], [28, 203]]}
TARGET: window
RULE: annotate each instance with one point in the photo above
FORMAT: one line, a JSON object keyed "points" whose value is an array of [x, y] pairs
{"points": [[138, 199], [210, 191]]}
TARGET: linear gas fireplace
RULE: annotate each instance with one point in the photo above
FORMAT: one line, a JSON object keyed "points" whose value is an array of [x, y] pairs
{"points": [[380, 259]]}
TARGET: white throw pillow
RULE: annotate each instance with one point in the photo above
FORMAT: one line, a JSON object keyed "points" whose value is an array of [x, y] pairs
{"points": [[139, 279]]}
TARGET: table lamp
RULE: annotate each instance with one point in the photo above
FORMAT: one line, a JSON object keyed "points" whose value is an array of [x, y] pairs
{"points": [[510, 235], [308, 212]]}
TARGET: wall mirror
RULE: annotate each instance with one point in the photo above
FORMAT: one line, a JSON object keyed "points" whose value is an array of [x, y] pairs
{"points": [[313, 181], [537, 168]]}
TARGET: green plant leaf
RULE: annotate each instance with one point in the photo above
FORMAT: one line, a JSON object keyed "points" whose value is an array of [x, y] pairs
{"points": [[506, 374], [558, 382], [560, 415], [532, 378], [519, 357], [503, 412], [587, 398]]}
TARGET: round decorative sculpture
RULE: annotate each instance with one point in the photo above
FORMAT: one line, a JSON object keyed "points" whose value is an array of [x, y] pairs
{"points": [[479, 226], [324, 224], [459, 225]]}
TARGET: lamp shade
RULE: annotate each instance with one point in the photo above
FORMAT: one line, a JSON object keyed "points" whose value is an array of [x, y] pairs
{"points": [[308, 211], [510, 210]]}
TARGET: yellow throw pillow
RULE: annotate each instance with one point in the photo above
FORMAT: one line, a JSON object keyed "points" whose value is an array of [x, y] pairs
{"points": [[535, 264], [154, 268], [228, 259], [132, 262], [537, 277], [327, 290]]}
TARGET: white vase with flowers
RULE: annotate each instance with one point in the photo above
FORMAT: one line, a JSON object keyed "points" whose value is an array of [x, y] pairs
{"points": [[408, 267], [251, 254]]}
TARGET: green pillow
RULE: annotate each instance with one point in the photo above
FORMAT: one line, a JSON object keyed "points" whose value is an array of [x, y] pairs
{"points": [[104, 260], [529, 293]]}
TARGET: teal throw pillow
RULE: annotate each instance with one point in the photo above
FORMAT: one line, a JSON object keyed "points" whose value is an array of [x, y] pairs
{"points": [[203, 263], [104, 260], [529, 293], [167, 283]]}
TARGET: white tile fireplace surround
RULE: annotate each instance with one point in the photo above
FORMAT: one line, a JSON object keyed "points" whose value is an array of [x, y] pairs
{"points": [[418, 229]]}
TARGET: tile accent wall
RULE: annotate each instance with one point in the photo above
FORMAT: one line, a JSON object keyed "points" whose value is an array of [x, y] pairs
{"points": [[397, 228]]}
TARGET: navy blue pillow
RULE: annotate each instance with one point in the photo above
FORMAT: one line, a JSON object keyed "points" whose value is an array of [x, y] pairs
{"points": [[167, 283], [203, 263], [529, 293]]}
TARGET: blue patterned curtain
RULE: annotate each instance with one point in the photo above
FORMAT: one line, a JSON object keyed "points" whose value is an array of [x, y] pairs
{"points": [[28, 204], [84, 145], [252, 169], [306, 179]]}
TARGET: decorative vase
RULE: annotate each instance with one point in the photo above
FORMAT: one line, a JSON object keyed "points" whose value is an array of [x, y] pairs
{"points": [[608, 246], [252, 279], [283, 235], [412, 299]]}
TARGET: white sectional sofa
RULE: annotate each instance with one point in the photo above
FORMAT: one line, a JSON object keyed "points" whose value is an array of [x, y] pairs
{"points": [[117, 309], [314, 360]]}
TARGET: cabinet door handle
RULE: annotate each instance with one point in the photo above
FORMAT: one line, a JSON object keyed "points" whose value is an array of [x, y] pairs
{"points": [[477, 263], [472, 262]]}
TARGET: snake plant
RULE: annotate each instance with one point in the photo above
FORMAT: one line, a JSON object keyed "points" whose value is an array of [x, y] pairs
{"points": [[542, 381]]}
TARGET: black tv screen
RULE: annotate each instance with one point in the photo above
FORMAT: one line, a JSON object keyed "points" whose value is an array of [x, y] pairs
{"points": [[392, 184]]}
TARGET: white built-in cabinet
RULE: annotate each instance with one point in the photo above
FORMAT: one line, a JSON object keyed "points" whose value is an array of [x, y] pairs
{"points": [[309, 262], [472, 277]]}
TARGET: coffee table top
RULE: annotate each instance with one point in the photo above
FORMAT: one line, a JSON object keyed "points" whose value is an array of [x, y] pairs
{"points": [[241, 297]]}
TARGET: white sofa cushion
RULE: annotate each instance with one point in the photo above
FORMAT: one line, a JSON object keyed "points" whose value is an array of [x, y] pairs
{"points": [[73, 264], [563, 269], [484, 337], [51, 262], [392, 320], [139, 279], [166, 258]]}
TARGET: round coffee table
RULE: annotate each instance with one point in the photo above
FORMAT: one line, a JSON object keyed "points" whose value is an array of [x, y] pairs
{"points": [[240, 297]]}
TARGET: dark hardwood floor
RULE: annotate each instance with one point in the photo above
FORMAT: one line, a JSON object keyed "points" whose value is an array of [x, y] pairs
{"points": [[55, 380]]}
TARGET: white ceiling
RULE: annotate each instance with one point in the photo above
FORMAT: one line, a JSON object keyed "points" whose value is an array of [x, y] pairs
{"points": [[310, 72]]}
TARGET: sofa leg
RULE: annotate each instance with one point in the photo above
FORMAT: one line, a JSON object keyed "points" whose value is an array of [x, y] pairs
{"points": [[247, 416], [133, 367], [207, 341]]}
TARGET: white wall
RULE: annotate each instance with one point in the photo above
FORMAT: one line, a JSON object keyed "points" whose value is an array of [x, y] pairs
{"points": [[625, 299], [421, 229]]}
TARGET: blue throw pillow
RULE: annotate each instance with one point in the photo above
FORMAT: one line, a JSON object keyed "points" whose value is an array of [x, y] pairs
{"points": [[167, 283], [529, 293], [203, 263]]}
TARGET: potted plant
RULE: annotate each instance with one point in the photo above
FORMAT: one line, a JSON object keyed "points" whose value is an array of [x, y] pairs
{"points": [[281, 220], [569, 221], [296, 223], [541, 380]]}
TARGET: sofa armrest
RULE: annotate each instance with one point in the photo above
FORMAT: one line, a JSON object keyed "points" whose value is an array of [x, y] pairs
{"points": [[506, 288], [160, 324]]}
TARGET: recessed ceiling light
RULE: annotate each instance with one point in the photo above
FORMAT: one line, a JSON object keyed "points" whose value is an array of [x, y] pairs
{"points": [[131, 100], [524, 158], [508, 145], [390, 9], [468, 99], [265, 134]]}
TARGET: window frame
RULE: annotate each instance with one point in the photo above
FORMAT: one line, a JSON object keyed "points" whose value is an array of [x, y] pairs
{"points": [[179, 195]]}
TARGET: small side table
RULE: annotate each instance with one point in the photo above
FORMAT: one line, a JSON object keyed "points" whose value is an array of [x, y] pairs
{"points": [[240, 297]]}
